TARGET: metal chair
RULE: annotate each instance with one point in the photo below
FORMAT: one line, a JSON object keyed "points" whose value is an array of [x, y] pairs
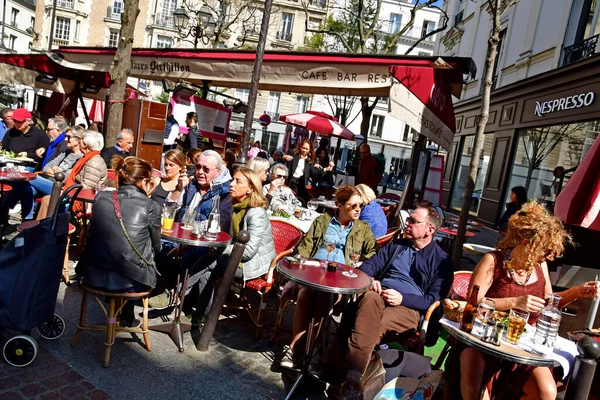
{"points": [[459, 291], [286, 237], [388, 237]]}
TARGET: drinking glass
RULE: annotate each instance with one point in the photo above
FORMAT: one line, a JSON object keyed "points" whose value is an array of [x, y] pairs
{"points": [[188, 218], [312, 206], [517, 319], [354, 253], [486, 308], [168, 216]]}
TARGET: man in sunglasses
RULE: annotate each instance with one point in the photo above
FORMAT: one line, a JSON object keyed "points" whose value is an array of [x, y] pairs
{"points": [[409, 275], [56, 131], [278, 195]]}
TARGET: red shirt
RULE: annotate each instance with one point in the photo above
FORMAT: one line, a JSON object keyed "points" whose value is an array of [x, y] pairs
{"points": [[370, 172]]}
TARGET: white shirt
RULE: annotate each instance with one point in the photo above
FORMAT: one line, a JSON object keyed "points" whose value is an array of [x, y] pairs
{"points": [[172, 135], [300, 168]]}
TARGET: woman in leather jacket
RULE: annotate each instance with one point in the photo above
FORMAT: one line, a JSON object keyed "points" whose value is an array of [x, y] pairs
{"points": [[110, 261]]}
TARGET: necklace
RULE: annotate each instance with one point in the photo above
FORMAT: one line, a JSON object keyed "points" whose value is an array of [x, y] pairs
{"points": [[511, 271]]}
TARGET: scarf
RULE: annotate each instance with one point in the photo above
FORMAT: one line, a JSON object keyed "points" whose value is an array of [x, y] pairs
{"points": [[78, 167], [60, 138], [237, 217]]}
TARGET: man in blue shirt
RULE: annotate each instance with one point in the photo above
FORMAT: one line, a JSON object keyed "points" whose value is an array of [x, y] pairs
{"points": [[6, 121], [408, 276]]}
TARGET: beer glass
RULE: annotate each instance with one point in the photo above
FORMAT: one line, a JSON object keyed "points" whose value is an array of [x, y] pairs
{"points": [[517, 319]]}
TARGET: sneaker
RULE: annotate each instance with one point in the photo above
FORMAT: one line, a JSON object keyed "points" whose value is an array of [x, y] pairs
{"points": [[287, 358], [161, 301], [192, 319], [136, 323]]}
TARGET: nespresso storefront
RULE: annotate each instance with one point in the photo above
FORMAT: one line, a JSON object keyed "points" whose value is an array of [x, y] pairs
{"points": [[535, 126]]}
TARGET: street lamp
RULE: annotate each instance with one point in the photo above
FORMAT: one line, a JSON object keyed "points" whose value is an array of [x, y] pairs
{"points": [[203, 27]]}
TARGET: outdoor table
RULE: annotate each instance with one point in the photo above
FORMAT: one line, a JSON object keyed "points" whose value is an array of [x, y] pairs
{"points": [[313, 274], [448, 243], [563, 354], [302, 224], [176, 328], [22, 160], [469, 222], [325, 203], [5, 178], [478, 249]]}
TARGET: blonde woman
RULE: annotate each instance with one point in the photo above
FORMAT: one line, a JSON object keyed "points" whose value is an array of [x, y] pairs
{"points": [[260, 166], [249, 214], [174, 167], [372, 213]]}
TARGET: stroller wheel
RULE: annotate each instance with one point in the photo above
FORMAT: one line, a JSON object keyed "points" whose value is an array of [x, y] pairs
{"points": [[20, 351], [53, 328]]}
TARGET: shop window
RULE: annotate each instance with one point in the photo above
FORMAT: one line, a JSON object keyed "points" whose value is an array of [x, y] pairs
{"points": [[540, 150], [458, 187]]}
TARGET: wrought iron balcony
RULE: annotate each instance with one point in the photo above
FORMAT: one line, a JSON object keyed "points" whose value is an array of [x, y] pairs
{"points": [[579, 51], [60, 42], [287, 36], [70, 4], [318, 3]]}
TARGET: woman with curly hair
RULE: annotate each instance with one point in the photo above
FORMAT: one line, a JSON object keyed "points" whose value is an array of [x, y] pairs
{"points": [[516, 276], [302, 166]]}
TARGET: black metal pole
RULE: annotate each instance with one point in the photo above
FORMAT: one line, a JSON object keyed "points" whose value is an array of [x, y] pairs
{"points": [[260, 52], [582, 373], [222, 290]]}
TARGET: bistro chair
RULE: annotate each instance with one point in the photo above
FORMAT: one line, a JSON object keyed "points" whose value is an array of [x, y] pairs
{"points": [[388, 237], [286, 238], [116, 301], [390, 196]]}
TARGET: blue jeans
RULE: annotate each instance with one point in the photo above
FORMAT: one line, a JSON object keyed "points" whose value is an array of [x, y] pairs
{"points": [[42, 185], [21, 192]]}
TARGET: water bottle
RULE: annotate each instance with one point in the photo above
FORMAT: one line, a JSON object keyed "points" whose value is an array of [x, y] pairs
{"points": [[214, 221], [547, 326]]}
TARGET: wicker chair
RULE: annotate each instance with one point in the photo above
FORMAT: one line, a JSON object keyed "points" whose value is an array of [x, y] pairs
{"points": [[391, 196], [286, 237], [388, 237]]}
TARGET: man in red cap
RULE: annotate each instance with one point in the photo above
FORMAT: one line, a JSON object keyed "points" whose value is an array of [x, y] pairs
{"points": [[24, 139]]}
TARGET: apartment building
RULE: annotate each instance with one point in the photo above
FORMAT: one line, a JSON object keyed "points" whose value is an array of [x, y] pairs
{"points": [[16, 24], [544, 114]]}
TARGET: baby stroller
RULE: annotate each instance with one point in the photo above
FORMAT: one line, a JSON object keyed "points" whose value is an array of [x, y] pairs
{"points": [[30, 274]]}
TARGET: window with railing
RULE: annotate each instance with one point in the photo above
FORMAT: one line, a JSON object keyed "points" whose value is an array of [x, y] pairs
{"points": [[164, 42], [70, 4], [318, 3], [224, 9], [273, 105], [165, 15], [580, 50], [252, 24], [62, 28], [285, 29], [113, 37], [376, 126], [394, 23]]}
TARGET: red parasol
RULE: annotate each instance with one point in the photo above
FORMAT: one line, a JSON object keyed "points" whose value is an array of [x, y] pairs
{"points": [[97, 111], [579, 202], [320, 122]]}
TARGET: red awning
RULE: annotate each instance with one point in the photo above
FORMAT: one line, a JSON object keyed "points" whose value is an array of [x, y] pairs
{"points": [[579, 202]]}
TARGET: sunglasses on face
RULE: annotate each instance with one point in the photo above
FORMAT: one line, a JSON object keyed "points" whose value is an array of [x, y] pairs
{"points": [[412, 221], [204, 169], [69, 137], [280, 176], [355, 206]]}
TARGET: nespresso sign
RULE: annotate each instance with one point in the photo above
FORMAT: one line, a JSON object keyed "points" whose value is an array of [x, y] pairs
{"points": [[564, 103]]}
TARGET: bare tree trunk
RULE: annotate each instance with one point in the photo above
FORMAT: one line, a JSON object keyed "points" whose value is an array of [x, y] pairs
{"points": [[120, 70], [482, 119]]}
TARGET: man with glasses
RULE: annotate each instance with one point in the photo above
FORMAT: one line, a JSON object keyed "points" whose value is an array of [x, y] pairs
{"points": [[6, 122], [24, 139], [56, 132], [408, 276], [198, 192], [125, 140]]}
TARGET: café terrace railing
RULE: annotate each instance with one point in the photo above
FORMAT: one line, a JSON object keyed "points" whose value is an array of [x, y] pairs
{"points": [[579, 51]]}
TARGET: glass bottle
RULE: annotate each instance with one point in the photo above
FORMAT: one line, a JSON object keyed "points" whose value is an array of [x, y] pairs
{"points": [[546, 329], [470, 310], [214, 220]]}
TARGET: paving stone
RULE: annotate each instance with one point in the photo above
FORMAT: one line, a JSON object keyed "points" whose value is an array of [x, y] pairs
{"points": [[98, 395], [9, 382], [11, 396], [32, 389]]}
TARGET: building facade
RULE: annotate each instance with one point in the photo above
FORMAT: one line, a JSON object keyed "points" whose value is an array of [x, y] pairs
{"points": [[16, 24], [544, 112]]}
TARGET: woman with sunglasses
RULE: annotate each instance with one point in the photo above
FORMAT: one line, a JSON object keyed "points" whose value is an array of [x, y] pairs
{"points": [[345, 230], [516, 276], [278, 195]]}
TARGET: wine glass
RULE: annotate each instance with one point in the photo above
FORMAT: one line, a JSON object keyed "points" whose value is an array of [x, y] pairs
{"points": [[486, 308], [354, 253], [312, 206], [329, 247]]}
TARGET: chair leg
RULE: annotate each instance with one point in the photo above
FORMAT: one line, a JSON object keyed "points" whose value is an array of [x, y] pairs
{"points": [[261, 313], [81, 318], [442, 356], [145, 323], [109, 335], [278, 320], [66, 264]]}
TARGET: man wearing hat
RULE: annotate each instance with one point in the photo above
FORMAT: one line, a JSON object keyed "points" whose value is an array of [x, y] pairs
{"points": [[24, 139]]}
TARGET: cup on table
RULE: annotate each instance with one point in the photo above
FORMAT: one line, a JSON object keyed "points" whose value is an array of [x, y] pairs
{"points": [[168, 216], [198, 228], [517, 319]]}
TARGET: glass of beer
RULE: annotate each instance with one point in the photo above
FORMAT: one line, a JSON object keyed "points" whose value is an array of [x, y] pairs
{"points": [[516, 324]]}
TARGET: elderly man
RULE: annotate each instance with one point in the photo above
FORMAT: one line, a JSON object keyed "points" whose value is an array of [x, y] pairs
{"points": [[124, 143], [278, 195], [56, 130], [6, 122], [210, 181], [277, 157], [24, 139], [409, 275], [370, 171]]}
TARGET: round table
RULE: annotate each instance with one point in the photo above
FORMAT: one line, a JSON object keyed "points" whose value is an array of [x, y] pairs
{"points": [[454, 232], [176, 328], [478, 249], [325, 203], [19, 177], [314, 274]]}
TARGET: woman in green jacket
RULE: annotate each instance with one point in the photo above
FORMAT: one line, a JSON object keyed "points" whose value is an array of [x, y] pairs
{"points": [[345, 230]]}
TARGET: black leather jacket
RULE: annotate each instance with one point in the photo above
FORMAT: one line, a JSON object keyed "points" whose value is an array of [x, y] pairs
{"points": [[108, 251]]}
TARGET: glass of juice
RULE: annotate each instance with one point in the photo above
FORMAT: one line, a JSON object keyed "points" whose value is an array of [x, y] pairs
{"points": [[517, 319], [168, 217]]}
